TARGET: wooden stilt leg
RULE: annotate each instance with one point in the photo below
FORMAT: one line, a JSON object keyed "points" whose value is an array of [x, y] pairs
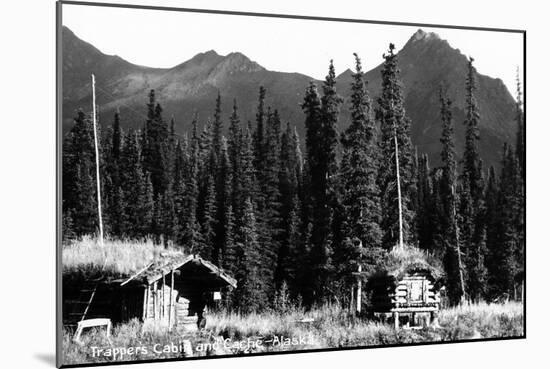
{"points": [[396, 320]]}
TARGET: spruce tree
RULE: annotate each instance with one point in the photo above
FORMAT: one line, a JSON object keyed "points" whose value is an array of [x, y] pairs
{"points": [[289, 177], [472, 204], [291, 258], [206, 204], [448, 159], [297, 152], [509, 253], [115, 205], [249, 184], [359, 168], [492, 232], [117, 214], [259, 162], [477, 283], [217, 127], [157, 222], [249, 296], [235, 146], [207, 155], [321, 144], [360, 206], [520, 135], [259, 132], [169, 221], [472, 167], [136, 189], [170, 155], [520, 153], [179, 188], [79, 192], [452, 244], [67, 226], [84, 214], [155, 146], [233, 255], [229, 247], [208, 220], [271, 220], [191, 235], [223, 200], [466, 226], [395, 124], [244, 255], [312, 110], [146, 209], [427, 223]]}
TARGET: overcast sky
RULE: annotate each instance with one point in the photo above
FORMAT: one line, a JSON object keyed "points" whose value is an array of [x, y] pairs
{"points": [[165, 39]]}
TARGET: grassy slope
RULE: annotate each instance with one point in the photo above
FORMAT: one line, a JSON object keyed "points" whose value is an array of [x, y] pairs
{"points": [[332, 327]]}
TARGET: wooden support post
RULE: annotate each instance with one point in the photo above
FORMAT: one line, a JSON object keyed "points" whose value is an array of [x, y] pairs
{"points": [[155, 300], [171, 308], [434, 319], [351, 300], [145, 302], [163, 313], [396, 320], [149, 297]]}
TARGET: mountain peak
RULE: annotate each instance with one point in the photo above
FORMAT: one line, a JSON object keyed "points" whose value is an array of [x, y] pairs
{"points": [[345, 77], [237, 57], [346, 73], [236, 61], [422, 35], [210, 53], [205, 57], [429, 46]]}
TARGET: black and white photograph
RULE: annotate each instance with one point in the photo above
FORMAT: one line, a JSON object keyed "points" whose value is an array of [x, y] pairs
{"points": [[237, 184]]}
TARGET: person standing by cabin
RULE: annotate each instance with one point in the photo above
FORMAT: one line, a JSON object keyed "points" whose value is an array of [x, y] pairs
{"points": [[197, 305]]}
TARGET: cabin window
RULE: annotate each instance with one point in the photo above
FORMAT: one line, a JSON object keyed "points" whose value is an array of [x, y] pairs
{"points": [[415, 291]]}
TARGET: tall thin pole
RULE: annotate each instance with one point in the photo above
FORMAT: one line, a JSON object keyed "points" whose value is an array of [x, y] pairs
{"points": [[458, 251], [398, 190], [97, 164], [359, 285]]}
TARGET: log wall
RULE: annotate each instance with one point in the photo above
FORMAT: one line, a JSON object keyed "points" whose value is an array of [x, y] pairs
{"points": [[415, 290], [159, 301]]}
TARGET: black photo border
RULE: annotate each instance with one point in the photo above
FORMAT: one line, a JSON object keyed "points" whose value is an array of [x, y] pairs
{"points": [[59, 142]]}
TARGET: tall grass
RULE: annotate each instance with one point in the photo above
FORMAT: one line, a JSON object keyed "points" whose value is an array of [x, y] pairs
{"points": [[125, 336], [482, 320], [333, 326], [330, 326]]}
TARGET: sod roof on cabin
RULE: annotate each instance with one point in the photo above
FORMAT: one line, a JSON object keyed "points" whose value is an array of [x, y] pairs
{"points": [[400, 262], [119, 261]]}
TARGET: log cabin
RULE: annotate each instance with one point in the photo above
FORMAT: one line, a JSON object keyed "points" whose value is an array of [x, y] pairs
{"points": [[172, 291], [406, 289]]}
